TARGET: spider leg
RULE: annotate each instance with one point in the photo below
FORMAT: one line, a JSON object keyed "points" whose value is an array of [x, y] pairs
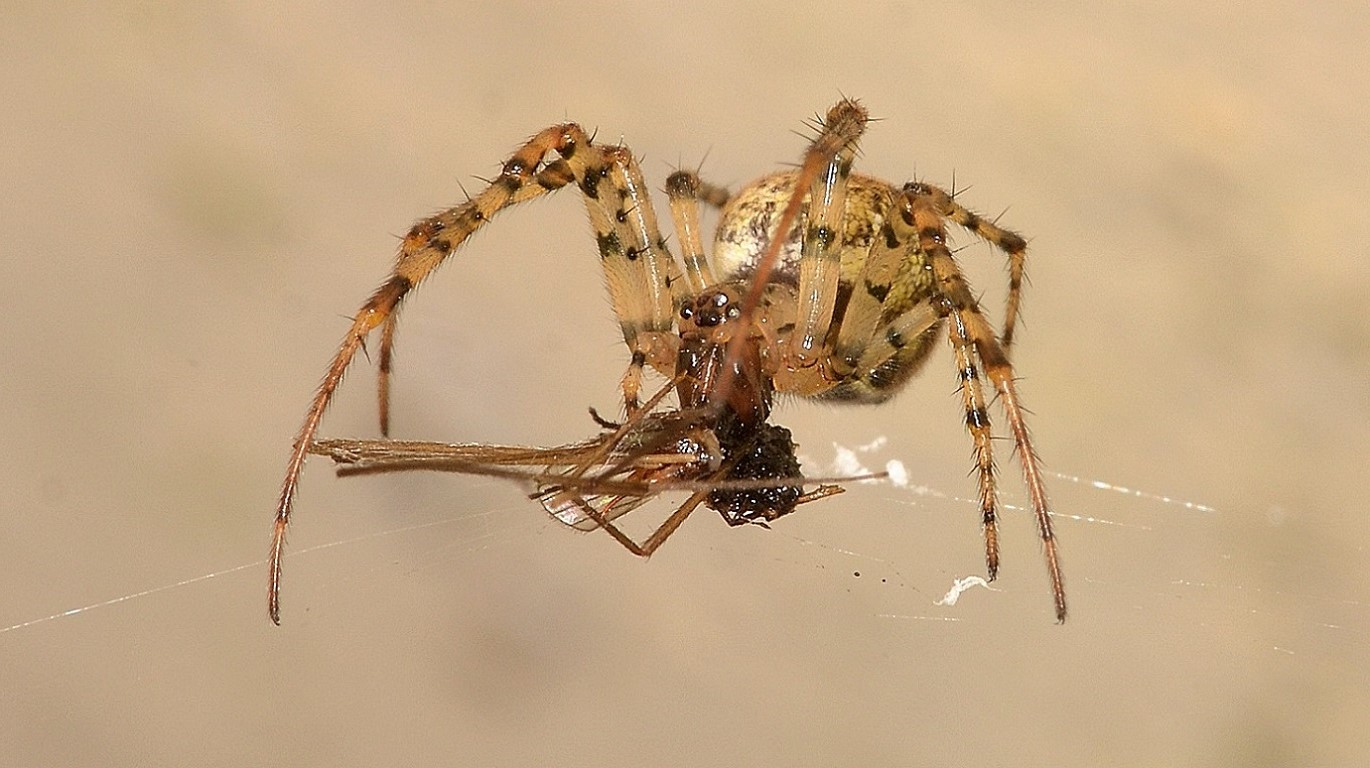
{"points": [[637, 267], [820, 263], [1005, 240], [659, 536], [686, 190], [970, 328], [892, 355], [977, 422], [644, 280], [875, 360], [821, 182], [553, 176], [385, 369]]}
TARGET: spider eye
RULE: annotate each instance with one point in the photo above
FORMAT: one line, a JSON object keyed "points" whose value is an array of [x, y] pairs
{"points": [[720, 300], [686, 312]]}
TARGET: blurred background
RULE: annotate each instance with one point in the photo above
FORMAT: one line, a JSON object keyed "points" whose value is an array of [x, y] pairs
{"points": [[196, 197]]}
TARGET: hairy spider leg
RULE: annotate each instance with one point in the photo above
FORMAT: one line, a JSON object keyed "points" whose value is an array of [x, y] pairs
{"points": [[1011, 243], [685, 190], [819, 262], [644, 279], [823, 173], [425, 247], [971, 331], [639, 271]]}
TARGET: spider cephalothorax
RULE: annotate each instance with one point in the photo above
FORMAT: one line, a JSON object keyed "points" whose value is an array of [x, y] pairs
{"points": [[721, 354], [823, 283]]}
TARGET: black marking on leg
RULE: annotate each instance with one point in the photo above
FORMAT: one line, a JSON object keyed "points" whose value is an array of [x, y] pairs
{"points": [[891, 239], [609, 245], [992, 355], [1012, 243], [590, 183], [568, 147], [424, 231], [682, 184], [823, 235], [389, 294], [555, 176]]}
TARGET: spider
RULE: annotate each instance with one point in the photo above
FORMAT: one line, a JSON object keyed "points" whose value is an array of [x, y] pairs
{"points": [[823, 284]]}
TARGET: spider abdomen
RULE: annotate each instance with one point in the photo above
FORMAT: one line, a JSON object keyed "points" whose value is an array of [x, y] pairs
{"points": [[750, 218]]}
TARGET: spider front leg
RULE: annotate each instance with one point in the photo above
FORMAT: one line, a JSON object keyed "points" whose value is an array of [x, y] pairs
{"points": [[441, 234], [820, 265], [686, 190], [427, 245], [384, 368], [644, 280], [638, 269], [821, 182]]}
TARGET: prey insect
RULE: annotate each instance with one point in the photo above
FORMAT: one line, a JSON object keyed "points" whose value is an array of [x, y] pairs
{"points": [[747, 477], [822, 283]]}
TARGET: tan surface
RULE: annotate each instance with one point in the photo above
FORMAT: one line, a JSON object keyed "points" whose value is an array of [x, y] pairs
{"points": [[193, 201]]}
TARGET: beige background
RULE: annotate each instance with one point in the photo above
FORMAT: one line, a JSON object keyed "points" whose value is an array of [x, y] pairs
{"points": [[194, 201]]}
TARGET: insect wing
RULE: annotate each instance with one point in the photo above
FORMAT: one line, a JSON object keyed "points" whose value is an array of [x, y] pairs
{"points": [[574, 483]]}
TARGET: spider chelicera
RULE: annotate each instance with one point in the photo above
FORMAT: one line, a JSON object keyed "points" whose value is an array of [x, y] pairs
{"points": [[823, 283]]}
